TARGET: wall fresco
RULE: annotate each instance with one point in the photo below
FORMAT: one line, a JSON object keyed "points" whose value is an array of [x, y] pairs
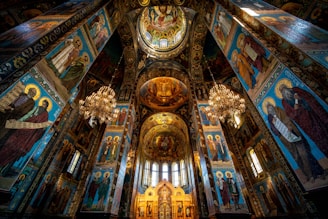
{"points": [[68, 62], [122, 115], [217, 146], [276, 195], [305, 36], [62, 197], [109, 147], [42, 195], [99, 30], [207, 116], [297, 118], [20, 187], [121, 177], [28, 112], [99, 185], [221, 26], [251, 61], [29, 40], [229, 193]]}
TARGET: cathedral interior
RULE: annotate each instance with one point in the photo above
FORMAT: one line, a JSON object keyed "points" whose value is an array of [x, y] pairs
{"points": [[167, 109]]}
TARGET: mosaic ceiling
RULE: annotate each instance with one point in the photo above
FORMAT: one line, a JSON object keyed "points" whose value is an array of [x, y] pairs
{"points": [[162, 30], [162, 27], [163, 93], [164, 137]]}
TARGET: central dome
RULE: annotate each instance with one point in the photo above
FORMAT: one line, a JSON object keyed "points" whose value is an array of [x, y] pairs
{"points": [[162, 28]]}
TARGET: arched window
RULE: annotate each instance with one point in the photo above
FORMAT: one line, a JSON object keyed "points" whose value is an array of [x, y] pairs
{"points": [[165, 171], [175, 174], [74, 161], [183, 173], [146, 174], [154, 174], [255, 163]]}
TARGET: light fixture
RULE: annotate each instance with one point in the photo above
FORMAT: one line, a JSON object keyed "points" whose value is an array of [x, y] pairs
{"points": [[225, 103], [100, 105]]}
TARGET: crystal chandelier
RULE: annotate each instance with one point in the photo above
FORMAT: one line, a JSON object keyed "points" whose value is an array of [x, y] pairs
{"points": [[225, 103], [100, 105]]}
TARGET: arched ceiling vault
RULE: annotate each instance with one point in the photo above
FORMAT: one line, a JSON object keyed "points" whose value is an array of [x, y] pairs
{"points": [[164, 138]]}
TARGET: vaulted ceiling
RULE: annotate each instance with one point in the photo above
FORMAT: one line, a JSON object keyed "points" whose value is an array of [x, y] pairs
{"points": [[164, 50]]}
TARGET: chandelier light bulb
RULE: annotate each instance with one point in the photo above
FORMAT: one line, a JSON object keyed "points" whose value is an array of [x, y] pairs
{"points": [[224, 103], [100, 106]]}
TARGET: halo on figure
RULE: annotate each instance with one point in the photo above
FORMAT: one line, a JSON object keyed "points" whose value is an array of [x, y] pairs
{"points": [[53, 179], [179, 2], [109, 138], [234, 56], [287, 18], [106, 174], [78, 45], [228, 174], [98, 174], [284, 81], [22, 177], [144, 3], [219, 174], [116, 138], [265, 102], [65, 142], [86, 58], [281, 177], [240, 39], [37, 89], [168, 9], [48, 100], [263, 141], [268, 19], [48, 177], [261, 188], [217, 136], [102, 19]]}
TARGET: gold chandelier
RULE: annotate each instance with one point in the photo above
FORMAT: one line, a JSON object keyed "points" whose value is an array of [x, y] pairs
{"points": [[100, 105], [225, 103]]}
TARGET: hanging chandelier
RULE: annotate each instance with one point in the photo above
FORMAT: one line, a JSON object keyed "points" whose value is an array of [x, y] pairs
{"points": [[225, 103], [100, 105]]}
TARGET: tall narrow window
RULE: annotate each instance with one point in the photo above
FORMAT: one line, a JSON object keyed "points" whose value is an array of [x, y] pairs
{"points": [[175, 174], [146, 173], [73, 163], [154, 174], [165, 171], [183, 173], [255, 162], [249, 160]]}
